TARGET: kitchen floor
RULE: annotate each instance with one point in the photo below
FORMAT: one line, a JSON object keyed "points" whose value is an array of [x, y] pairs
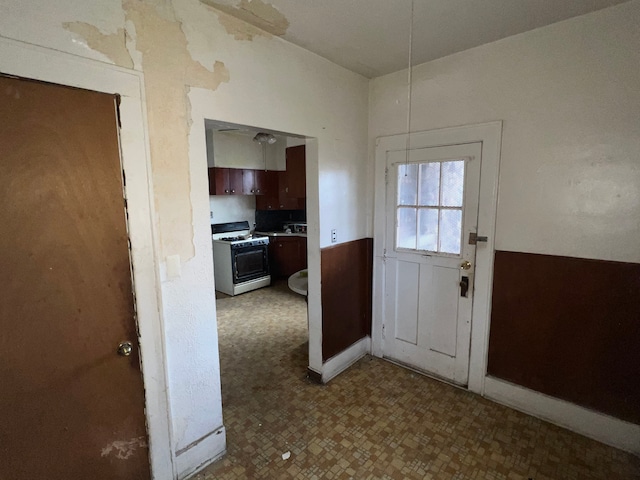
{"points": [[374, 421]]}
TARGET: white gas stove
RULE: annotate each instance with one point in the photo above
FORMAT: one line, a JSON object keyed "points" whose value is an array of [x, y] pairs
{"points": [[240, 259]]}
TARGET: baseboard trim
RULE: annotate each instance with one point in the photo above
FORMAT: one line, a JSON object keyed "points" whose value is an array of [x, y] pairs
{"points": [[343, 360], [315, 377], [201, 453], [597, 426]]}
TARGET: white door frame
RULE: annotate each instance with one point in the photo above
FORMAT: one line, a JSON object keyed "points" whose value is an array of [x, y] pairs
{"points": [[38, 63], [490, 135]]}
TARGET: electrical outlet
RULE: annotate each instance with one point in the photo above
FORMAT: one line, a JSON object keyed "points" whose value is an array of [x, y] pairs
{"points": [[334, 236]]}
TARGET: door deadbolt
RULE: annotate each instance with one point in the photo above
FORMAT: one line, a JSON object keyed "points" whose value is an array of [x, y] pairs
{"points": [[125, 349], [464, 287]]}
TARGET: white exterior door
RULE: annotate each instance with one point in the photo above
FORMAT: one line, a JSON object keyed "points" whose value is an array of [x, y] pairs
{"points": [[429, 260]]}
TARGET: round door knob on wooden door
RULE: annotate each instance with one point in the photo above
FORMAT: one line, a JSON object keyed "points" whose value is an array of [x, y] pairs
{"points": [[125, 349]]}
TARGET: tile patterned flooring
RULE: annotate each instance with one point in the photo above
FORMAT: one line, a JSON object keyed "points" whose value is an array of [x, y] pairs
{"points": [[374, 421]]}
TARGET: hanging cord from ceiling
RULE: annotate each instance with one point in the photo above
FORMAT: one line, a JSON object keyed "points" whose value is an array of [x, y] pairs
{"points": [[409, 88], [263, 139]]}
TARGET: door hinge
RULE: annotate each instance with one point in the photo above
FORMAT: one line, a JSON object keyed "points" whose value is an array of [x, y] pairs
{"points": [[474, 238], [386, 175]]}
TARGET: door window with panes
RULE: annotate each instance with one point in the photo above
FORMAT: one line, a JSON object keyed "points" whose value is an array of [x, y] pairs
{"points": [[429, 206]]}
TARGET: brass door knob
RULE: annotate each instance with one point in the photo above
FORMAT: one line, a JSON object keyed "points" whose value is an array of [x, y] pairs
{"points": [[125, 349], [466, 265]]}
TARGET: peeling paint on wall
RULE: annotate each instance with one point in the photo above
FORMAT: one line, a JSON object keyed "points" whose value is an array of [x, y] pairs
{"points": [[255, 12], [169, 72], [240, 29], [112, 45], [156, 40]]}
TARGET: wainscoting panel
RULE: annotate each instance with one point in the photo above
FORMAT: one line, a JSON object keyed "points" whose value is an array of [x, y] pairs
{"points": [[569, 328], [346, 295]]}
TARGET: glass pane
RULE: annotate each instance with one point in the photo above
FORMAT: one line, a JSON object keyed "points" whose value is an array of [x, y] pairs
{"points": [[452, 183], [406, 230], [428, 221], [429, 184], [450, 231], [407, 184]]}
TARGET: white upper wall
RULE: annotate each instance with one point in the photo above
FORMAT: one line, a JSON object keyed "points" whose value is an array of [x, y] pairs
{"points": [[569, 97]]}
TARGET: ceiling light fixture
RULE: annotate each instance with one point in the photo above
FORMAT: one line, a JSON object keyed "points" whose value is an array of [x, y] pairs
{"points": [[263, 139]]}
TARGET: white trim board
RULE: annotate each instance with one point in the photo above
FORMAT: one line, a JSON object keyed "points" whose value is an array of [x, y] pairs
{"points": [[212, 447], [490, 134], [343, 360], [29, 61], [603, 428]]}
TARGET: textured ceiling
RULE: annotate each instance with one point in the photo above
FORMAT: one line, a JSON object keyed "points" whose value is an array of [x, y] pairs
{"points": [[371, 37]]}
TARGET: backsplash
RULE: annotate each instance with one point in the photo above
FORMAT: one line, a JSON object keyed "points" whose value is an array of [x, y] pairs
{"points": [[268, 221], [232, 208]]}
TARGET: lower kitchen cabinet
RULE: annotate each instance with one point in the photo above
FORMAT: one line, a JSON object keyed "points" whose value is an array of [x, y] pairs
{"points": [[287, 255]]}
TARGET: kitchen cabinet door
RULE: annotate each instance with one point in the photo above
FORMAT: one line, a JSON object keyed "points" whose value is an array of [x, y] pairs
{"points": [[225, 181], [295, 181], [285, 200], [248, 182], [256, 182], [269, 200], [287, 255]]}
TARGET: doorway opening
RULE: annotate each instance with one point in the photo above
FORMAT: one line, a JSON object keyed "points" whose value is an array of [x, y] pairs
{"points": [[258, 216]]}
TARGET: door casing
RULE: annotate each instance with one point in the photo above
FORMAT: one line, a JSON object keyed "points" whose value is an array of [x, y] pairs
{"points": [[37, 63], [490, 135]]}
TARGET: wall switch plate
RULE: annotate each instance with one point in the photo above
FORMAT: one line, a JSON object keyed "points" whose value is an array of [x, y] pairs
{"points": [[334, 236]]}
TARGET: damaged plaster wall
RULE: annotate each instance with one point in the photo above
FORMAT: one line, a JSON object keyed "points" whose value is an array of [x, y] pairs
{"points": [[169, 72], [262, 15], [199, 62]]}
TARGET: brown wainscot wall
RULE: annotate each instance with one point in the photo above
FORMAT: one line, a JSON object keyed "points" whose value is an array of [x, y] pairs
{"points": [[346, 294], [569, 328]]}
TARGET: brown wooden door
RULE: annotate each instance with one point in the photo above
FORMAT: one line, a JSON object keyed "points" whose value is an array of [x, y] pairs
{"points": [[70, 407]]}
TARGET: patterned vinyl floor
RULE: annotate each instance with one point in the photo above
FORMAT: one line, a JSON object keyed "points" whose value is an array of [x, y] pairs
{"points": [[374, 421]]}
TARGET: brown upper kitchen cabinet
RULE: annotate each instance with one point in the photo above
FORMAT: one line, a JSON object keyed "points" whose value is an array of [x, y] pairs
{"points": [[256, 182], [295, 178], [276, 197], [288, 189], [225, 181]]}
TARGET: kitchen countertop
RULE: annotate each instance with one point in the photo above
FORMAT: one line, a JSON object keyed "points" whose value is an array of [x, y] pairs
{"points": [[281, 234]]}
